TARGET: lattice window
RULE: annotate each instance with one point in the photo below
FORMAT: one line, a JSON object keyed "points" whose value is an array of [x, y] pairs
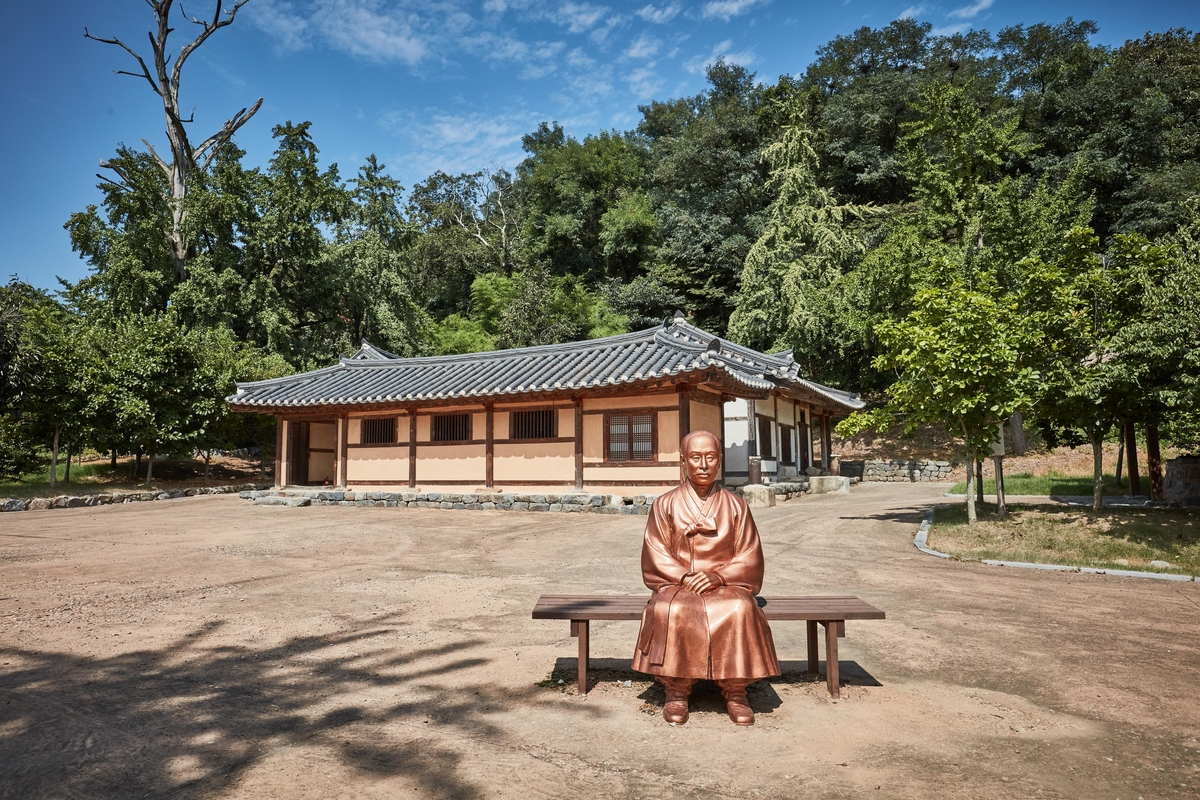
{"points": [[766, 438], [540, 424], [451, 428], [379, 430], [630, 437]]}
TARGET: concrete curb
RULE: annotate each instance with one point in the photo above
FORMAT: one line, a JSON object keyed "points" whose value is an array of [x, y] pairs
{"points": [[921, 542], [922, 539], [1078, 500]]}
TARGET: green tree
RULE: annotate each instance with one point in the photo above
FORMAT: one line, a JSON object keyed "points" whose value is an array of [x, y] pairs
{"points": [[1136, 123], [708, 187], [961, 360], [808, 242], [585, 211], [54, 396]]}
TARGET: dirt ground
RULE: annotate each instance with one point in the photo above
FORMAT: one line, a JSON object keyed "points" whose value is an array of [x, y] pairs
{"points": [[206, 647]]}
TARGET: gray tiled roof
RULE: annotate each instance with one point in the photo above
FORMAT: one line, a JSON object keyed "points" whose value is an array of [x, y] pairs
{"points": [[675, 349]]}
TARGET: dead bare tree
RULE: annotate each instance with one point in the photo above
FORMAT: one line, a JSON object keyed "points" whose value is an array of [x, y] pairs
{"points": [[165, 83]]}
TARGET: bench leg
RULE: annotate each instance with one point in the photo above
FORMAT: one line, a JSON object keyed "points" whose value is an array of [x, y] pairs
{"points": [[832, 679], [580, 628], [814, 658]]}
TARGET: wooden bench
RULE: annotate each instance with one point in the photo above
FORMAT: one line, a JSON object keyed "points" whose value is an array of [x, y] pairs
{"points": [[830, 612]]}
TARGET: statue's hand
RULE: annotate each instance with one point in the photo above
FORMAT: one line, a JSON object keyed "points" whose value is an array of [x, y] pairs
{"points": [[698, 582]]}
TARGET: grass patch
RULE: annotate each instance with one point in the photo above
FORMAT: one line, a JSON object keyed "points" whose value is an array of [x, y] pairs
{"points": [[1053, 483], [1125, 538], [93, 477]]}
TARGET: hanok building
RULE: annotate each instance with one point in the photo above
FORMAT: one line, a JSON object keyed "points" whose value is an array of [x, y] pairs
{"points": [[605, 414]]}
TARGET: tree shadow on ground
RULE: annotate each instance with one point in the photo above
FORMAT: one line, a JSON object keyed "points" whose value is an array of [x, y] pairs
{"points": [[190, 719], [907, 516]]}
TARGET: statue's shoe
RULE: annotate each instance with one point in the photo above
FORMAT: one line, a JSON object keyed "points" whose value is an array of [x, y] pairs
{"points": [[675, 710], [738, 706]]}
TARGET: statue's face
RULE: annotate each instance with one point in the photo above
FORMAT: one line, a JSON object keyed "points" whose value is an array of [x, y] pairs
{"points": [[702, 460]]}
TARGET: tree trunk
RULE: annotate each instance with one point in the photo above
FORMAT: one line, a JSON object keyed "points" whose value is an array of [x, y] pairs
{"points": [[112, 460], [207, 461], [1120, 458], [1016, 434], [971, 517], [1135, 480], [67, 476], [54, 459], [137, 463], [1154, 461], [165, 82], [979, 481], [150, 466], [1097, 472], [1001, 511]]}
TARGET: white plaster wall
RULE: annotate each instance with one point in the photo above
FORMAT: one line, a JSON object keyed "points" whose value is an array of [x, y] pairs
{"points": [[735, 441]]}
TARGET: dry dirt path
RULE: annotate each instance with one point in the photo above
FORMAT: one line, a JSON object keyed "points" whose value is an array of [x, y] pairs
{"points": [[209, 648]]}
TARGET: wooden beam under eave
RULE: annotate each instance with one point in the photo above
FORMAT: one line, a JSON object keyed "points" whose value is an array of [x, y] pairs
{"points": [[489, 445], [343, 433], [578, 442]]}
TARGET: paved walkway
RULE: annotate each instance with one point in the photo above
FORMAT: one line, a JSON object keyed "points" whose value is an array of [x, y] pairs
{"points": [[207, 647]]}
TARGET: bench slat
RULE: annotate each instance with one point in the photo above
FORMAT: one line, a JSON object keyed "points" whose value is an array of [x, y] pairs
{"points": [[615, 607]]}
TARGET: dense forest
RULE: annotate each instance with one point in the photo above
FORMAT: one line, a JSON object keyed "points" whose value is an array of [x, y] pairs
{"points": [[960, 227]]}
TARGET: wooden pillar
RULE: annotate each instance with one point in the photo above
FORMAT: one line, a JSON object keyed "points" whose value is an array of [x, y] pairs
{"points": [[489, 445], [776, 434], [1135, 480], [412, 448], [343, 433], [827, 442], [751, 430], [280, 448], [685, 411], [1154, 461], [578, 442]]}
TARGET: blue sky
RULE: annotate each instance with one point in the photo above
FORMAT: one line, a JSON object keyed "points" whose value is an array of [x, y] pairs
{"points": [[439, 84]]}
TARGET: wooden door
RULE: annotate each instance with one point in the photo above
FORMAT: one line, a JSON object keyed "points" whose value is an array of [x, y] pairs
{"points": [[298, 448]]}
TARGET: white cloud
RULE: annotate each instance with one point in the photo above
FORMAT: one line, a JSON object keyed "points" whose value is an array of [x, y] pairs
{"points": [[280, 20], [950, 30], [580, 17], [643, 47], [645, 82], [721, 51], [539, 59], [967, 12], [578, 58], [726, 9], [363, 28], [439, 140], [912, 12], [659, 15], [406, 31], [543, 60]]}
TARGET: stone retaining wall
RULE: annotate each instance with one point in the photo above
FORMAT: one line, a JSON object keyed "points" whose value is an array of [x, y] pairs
{"points": [[577, 503], [912, 470], [115, 498]]}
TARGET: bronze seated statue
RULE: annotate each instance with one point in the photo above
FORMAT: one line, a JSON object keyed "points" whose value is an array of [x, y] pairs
{"points": [[703, 560]]}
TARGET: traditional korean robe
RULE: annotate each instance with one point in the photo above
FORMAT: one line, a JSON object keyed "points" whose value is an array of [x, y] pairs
{"points": [[720, 634]]}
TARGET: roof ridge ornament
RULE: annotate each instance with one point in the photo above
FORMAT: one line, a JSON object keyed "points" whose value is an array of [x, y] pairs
{"points": [[714, 345]]}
